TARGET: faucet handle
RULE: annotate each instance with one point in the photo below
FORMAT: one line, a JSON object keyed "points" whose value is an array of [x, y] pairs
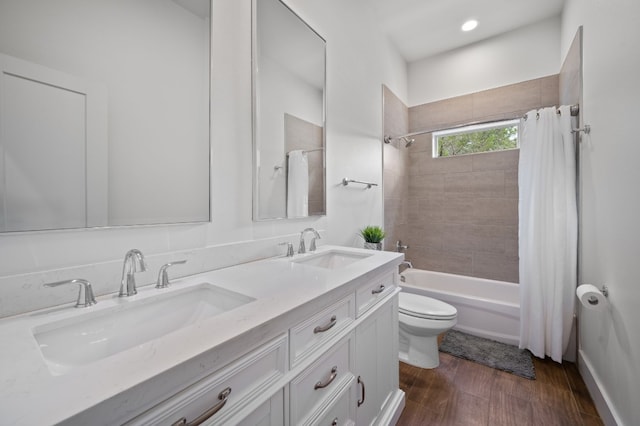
{"points": [[85, 293], [163, 277], [289, 248]]}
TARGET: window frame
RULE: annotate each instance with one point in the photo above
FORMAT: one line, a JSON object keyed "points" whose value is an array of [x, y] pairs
{"points": [[473, 128]]}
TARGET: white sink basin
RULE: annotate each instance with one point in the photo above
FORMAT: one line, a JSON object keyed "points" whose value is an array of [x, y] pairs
{"points": [[332, 259], [86, 338]]}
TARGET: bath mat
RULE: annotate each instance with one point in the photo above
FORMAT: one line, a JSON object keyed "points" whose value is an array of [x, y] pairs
{"points": [[489, 352]]}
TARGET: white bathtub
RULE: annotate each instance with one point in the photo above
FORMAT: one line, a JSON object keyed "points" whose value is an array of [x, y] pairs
{"points": [[486, 308]]}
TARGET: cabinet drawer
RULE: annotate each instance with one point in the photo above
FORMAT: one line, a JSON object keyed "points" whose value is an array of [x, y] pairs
{"points": [[371, 293], [309, 334], [230, 390], [341, 412], [316, 387]]}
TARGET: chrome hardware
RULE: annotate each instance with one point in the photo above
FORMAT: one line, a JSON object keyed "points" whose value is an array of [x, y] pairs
{"points": [[301, 247], [586, 129], [163, 277], [361, 383], [399, 247], [334, 422], [323, 328], [407, 262], [347, 181], [378, 290], [85, 293], [289, 248], [334, 374], [222, 396], [133, 262], [403, 279]]}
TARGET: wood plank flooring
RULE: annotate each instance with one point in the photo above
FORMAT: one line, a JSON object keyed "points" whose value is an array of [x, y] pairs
{"points": [[461, 392]]}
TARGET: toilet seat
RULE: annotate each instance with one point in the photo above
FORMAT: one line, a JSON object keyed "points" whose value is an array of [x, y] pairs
{"points": [[425, 307]]}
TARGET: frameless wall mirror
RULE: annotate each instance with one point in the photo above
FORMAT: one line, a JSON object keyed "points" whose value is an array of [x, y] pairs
{"points": [[104, 113], [288, 114]]}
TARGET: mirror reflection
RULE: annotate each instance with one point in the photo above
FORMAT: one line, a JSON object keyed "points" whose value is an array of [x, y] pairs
{"points": [[104, 111], [288, 114]]}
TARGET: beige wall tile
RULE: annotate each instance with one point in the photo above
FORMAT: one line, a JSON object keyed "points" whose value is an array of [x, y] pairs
{"points": [[511, 184], [495, 211], [431, 166], [458, 210], [421, 186], [475, 184], [550, 90], [499, 160], [506, 99], [437, 114], [496, 267]]}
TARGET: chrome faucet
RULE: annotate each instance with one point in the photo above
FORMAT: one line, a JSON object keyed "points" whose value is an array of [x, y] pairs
{"points": [[312, 246], [399, 247], [163, 276], [133, 262], [85, 293]]}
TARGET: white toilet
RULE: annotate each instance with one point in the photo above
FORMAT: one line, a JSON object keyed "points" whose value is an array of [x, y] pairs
{"points": [[421, 319]]}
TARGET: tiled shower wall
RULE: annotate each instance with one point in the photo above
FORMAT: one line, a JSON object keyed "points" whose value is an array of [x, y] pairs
{"points": [[461, 213]]}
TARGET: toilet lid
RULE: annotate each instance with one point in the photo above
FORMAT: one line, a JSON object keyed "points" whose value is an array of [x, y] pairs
{"points": [[425, 307]]}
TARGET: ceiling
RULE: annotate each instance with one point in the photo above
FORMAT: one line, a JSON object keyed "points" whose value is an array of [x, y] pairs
{"points": [[423, 28]]}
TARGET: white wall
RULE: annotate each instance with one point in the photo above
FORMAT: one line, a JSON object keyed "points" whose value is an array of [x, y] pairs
{"points": [[610, 341], [359, 61], [523, 54]]}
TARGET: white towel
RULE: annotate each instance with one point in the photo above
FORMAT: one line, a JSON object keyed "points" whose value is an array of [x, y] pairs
{"points": [[298, 184]]}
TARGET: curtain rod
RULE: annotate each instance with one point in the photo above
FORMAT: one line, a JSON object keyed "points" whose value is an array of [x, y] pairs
{"points": [[575, 109]]}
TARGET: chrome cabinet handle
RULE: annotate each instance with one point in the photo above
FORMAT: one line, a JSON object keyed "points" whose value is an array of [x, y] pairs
{"points": [[222, 396], [334, 422], [334, 374], [378, 290], [361, 382], [323, 328]]}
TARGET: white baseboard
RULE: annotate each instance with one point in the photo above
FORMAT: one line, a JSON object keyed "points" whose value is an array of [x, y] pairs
{"points": [[394, 408], [601, 399]]}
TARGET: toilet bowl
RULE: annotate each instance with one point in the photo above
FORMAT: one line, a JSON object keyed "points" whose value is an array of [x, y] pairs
{"points": [[421, 319]]}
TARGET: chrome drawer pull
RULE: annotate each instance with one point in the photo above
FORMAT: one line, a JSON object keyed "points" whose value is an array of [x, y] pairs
{"points": [[361, 401], [378, 290], [334, 374], [222, 396], [334, 422], [323, 328]]}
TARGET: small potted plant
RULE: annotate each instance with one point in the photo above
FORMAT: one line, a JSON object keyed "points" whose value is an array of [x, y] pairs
{"points": [[373, 236]]}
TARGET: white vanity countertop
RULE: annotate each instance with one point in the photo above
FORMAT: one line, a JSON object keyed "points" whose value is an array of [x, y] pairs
{"points": [[30, 394]]}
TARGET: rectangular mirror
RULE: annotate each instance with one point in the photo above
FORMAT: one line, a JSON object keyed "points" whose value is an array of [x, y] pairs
{"points": [[104, 113], [288, 114]]}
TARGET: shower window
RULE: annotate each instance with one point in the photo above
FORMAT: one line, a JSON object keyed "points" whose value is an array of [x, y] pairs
{"points": [[486, 137]]}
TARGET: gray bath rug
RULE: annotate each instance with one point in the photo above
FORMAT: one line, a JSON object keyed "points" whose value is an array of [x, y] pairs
{"points": [[489, 352]]}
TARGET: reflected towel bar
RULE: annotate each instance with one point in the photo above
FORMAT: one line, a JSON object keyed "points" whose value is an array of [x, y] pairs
{"points": [[346, 181]]}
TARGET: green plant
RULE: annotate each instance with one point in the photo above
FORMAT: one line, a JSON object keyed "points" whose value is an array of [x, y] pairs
{"points": [[372, 234]]}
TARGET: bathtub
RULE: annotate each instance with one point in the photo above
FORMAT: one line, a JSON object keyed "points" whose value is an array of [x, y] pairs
{"points": [[486, 308]]}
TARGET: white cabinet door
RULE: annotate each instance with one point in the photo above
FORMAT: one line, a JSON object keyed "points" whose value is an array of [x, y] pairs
{"points": [[270, 413], [376, 361]]}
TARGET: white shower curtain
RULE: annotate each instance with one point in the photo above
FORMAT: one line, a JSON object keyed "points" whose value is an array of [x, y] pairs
{"points": [[548, 231]]}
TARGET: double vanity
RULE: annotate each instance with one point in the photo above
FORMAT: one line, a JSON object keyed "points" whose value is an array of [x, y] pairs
{"points": [[308, 339]]}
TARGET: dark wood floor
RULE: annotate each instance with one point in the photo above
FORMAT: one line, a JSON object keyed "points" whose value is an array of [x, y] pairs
{"points": [[461, 392]]}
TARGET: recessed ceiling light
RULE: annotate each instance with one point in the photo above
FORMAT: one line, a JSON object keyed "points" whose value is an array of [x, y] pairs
{"points": [[469, 25]]}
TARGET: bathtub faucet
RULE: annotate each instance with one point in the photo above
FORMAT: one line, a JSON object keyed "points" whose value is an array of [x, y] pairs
{"points": [[407, 262], [399, 247]]}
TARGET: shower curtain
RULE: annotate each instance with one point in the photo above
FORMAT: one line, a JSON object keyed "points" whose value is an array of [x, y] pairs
{"points": [[548, 231]]}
